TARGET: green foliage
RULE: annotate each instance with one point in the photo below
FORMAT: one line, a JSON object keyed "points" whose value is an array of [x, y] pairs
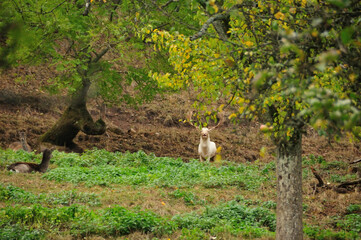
{"points": [[44, 214], [115, 221], [320, 234], [118, 221], [231, 214], [312, 160], [100, 167], [275, 63], [59, 34], [42, 217], [17, 195], [189, 197], [349, 226], [8, 156], [351, 223], [333, 165], [342, 178], [353, 208], [18, 232], [139, 169], [193, 234]]}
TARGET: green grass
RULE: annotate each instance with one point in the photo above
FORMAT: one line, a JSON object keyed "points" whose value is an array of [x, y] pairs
{"points": [[104, 169], [15, 194], [194, 193]]}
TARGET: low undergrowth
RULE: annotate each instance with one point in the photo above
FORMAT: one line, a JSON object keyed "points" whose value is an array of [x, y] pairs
{"points": [[12, 193], [31, 214], [103, 168]]}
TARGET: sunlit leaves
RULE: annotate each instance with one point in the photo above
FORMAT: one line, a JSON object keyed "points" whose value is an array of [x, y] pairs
{"points": [[196, 63], [329, 112]]}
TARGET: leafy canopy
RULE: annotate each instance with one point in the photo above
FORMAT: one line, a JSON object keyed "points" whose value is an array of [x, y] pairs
{"points": [[287, 63]]}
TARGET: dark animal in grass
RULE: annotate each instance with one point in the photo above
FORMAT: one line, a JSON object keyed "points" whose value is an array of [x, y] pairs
{"points": [[24, 167]]}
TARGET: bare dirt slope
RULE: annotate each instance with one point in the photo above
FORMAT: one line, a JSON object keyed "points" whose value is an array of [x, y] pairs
{"points": [[153, 127]]}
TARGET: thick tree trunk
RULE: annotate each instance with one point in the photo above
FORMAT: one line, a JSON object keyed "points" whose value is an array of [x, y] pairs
{"points": [[289, 189], [75, 118]]}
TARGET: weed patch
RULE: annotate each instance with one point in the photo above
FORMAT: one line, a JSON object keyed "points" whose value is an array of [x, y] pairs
{"points": [[17, 195], [18, 232], [188, 197], [235, 217], [81, 221], [148, 170]]}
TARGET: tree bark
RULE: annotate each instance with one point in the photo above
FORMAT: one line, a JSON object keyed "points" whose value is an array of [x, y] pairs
{"points": [[75, 118], [289, 188]]}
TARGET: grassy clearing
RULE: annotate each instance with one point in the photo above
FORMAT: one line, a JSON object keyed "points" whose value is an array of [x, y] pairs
{"points": [[137, 196]]}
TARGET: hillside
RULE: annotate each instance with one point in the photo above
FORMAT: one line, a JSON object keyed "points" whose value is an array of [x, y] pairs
{"points": [[155, 128]]}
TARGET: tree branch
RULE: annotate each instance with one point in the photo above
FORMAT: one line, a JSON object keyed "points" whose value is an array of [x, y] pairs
{"points": [[217, 17], [52, 10], [167, 3], [101, 54], [356, 161], [349, 183]]}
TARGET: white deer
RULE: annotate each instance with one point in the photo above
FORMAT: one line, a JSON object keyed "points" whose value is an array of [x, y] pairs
{"points": [[206, 149]]}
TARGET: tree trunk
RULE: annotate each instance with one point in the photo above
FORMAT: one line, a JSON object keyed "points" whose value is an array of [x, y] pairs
{"points": [[289, 188], [75, 118]]}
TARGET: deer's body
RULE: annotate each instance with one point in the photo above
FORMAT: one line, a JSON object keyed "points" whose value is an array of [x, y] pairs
{"points": [[22, 144], [206, 149], [24, 167]]}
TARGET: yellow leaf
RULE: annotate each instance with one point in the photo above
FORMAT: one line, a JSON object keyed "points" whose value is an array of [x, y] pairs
{"points": [[219, 149], [249, 44], [262, 152], [233, 115], [280, 16], [215, 8], [304, 2], [220, 108]]}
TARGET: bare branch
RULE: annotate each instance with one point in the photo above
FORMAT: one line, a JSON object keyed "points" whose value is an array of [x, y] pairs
{"points": [[356, 161], [167, 3], [206, 25], [52, 10], [101, 54], [349, 183], [214, 18]]}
